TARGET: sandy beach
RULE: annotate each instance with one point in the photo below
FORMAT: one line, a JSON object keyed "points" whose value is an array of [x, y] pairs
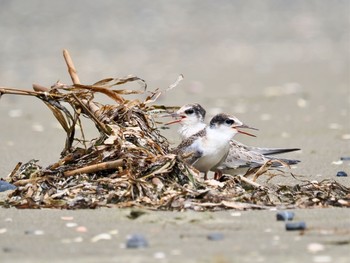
{"points": [[281, 67]]}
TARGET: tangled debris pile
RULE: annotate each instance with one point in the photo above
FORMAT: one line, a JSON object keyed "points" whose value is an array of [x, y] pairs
{"points": [[130, 163]]}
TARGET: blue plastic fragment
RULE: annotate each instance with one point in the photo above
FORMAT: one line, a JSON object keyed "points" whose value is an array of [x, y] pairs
{"points": [[136, 241], [284, 216], [342, 174], [290, 226], [5, 186], [215, 236], [346, 158]]}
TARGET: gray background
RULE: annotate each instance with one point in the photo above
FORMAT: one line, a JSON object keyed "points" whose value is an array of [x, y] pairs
{"points": [[280, 66]]}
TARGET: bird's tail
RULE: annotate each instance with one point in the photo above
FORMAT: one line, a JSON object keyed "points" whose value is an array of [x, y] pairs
{"points": [[272, 151]]}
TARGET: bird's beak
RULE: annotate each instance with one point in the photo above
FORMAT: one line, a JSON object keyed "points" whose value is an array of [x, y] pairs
{"points": [[246, 127], [177, 116]]}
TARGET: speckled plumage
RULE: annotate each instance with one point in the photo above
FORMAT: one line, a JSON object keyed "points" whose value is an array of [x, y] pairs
{"points": [[210, 146], [240, 157]]}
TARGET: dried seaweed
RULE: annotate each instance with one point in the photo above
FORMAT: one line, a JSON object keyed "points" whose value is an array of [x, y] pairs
{"points": [[130, 163]]}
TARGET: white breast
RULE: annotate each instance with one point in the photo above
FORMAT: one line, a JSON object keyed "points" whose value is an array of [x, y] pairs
{"points": [[214, 148]]}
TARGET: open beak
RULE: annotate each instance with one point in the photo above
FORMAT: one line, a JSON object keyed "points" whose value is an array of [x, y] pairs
{"points": [[247, 127], [178, 117]]}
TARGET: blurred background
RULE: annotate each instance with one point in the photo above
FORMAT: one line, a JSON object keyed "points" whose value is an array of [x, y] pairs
{"points": [[280, 66]]}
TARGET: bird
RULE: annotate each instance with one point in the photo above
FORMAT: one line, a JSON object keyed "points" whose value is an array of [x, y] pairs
{"points": [[191, 119], [240, 158], [210, 146]]}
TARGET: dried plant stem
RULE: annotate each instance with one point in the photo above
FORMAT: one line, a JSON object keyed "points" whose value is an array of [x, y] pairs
{"points": [[39, 88], [23, 182], [92, 115], [247, 181], [71, 69], [36, 93], [4, 90], [95, 168]]}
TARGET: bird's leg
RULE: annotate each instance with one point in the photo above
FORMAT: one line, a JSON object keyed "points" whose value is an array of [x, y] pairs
{"points": [[217, 175], [205, 176]]}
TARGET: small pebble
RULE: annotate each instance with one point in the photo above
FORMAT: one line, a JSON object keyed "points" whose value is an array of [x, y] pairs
{"points": [[71, 224], [72, 240], [265, 117], [3, 230], [337, 162], [276, 238], [159, 255], [295, 226], [34, 232], [114, 232], [285, 135], [322, 259], [175, 252], [15, 113], [315, 247], [342, 174], [6, 249], [78, 239], [103, 236], [5, 186], [37, 127], [136, 241], [285, 216], [302, 103], [346, 136], [236, 214], [215, 236], [67, 218], [81, 229], [335, 126], [347, 158]]}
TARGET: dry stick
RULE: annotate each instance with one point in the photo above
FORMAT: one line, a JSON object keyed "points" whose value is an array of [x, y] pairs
{"points": [[87, 111], [23, 182], [4, 90], [73, 74], [252, 183], [71, 69], [95, 168], [12, 91], [39, 88]]}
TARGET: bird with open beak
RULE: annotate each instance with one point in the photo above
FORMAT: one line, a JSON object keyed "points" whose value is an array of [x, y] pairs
{"points": [[241, 157], [209, 147]]}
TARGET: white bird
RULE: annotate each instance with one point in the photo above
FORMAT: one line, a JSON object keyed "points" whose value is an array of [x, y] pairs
{"points": [[209, 147], [241, 157], [191, 119]]}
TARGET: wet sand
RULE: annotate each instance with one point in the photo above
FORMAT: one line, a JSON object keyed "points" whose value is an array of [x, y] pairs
{"points": [[283, 68], [251, 236]]}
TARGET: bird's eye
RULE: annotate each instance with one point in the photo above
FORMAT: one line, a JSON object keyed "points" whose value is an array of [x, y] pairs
{"points": [[189, 111], [229, 121]]}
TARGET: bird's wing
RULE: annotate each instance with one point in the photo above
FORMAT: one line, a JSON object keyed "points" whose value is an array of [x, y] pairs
{"points": [[240, 157], [264, 150], [186, 145]]}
